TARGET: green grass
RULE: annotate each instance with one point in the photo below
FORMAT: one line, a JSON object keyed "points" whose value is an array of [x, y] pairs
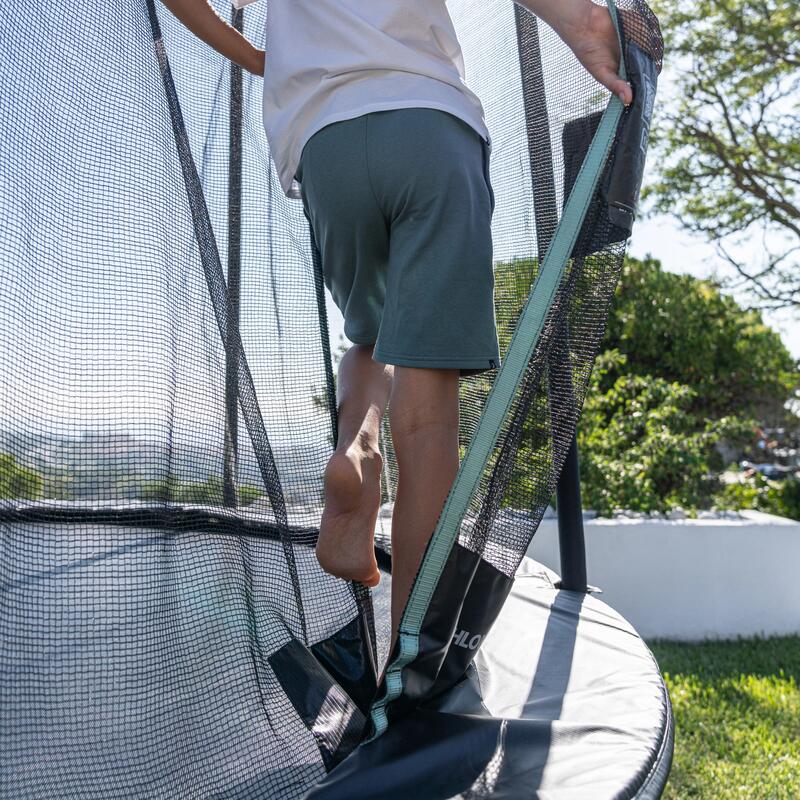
{"points": [[737, 718]]}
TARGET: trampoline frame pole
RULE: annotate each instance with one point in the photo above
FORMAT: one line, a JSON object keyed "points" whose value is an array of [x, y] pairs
{"points": [[231, 445], [571, 537], [571, 540]]}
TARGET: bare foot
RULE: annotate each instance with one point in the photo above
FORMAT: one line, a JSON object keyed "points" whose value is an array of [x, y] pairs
{"points": [[346, 547]]}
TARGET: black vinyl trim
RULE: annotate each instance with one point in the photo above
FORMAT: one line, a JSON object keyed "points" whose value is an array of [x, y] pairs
{"points": [[654, 783], [161, 516], [468, 597], [350, 660]]}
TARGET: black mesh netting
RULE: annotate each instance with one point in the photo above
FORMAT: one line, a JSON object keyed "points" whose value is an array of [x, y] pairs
{"points": [[542, 108], [156, 547]]}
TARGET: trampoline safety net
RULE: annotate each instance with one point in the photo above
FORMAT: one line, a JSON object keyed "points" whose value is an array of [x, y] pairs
{"points": [[167, 400]]}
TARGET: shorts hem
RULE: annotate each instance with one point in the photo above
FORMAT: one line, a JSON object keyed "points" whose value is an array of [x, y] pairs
{"points": [[467, 366], [367, 341]]}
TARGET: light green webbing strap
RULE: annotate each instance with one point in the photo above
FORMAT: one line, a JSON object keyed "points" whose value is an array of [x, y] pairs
{"points": [[520, 351]]}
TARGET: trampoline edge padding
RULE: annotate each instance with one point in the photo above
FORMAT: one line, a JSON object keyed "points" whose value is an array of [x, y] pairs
{"points": [[654, 784], [589, 718]]}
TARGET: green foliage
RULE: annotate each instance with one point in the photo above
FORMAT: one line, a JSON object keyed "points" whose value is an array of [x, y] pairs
{"points": [[642, 446], [727, 142], [208, 492], [685, 330], [737, 718], [683, 370], [59, 483], [18, 482], [756, 492]]}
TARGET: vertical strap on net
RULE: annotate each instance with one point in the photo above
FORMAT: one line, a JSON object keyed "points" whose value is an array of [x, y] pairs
{"points": [[230, 459], [324, 330], [218, 292], [499, 401], [544, 206]]}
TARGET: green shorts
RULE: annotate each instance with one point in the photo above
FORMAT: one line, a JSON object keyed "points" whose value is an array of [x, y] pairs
{"points": [[400, 205]]}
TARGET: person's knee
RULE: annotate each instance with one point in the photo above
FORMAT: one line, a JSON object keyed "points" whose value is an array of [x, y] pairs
{"points": [[424, 403], [358, 353]]}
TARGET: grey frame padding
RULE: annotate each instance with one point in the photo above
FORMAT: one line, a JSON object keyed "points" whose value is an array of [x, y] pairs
{"points": [[565, 702]]}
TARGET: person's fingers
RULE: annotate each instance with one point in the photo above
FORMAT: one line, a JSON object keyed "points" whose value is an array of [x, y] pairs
{"points": [[624, 91], [617, 85]]}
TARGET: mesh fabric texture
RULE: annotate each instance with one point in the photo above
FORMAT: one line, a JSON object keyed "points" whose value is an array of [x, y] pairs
{"points": [[139, 601]]}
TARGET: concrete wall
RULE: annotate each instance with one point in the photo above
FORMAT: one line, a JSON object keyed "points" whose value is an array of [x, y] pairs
{"points": [[692, 579]]}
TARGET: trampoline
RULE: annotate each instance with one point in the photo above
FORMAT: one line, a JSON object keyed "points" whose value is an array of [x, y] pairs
{"points": [[167, 410]]}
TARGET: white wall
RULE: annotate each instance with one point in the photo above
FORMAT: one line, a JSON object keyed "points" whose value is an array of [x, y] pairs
{"points": [[692, 579]]}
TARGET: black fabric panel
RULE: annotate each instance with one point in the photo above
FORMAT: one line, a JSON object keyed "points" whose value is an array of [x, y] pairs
{"points": [[610, 218], [624, 181], [453, 627], [425, 756], [349, 659], [465, 604], [438, 628], [485, 597], [325, 708]]}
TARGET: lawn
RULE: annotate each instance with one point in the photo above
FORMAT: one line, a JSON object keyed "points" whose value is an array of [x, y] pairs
{"points": [[737, 718]]}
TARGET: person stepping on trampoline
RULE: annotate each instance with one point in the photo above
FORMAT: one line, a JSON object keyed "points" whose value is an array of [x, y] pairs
{"points": [[372, 127]]}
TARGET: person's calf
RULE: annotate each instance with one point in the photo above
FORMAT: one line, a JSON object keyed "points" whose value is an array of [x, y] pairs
{"points": [[423, 415], [363, 387]]}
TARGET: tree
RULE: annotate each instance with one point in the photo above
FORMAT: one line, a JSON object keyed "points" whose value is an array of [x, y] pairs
{"points": [[730, 139], [18, 482], [686, 330], [208, 492], [642, 446], [683, 368]]}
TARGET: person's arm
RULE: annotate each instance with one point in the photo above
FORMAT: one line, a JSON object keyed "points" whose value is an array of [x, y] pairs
{"points": [[588, 31], [204, 22]]}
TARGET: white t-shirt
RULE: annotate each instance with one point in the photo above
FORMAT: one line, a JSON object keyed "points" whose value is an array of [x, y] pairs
{"points": [[329, 60]]}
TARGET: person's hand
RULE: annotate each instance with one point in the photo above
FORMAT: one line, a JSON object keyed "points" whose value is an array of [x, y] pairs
{"points": [[594, 41], [256, 63]]}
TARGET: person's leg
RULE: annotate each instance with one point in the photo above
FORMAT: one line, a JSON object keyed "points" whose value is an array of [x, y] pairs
{"points": [[423, 415], [353, 476]]}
